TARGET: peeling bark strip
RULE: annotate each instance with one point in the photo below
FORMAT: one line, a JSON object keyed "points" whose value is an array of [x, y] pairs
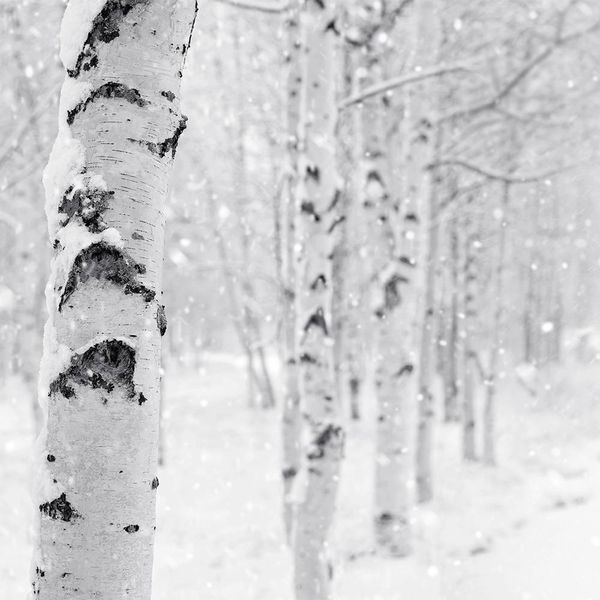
{"points": [[87, 204], [103, 261], [105, 28], [167, 145], [59, 509], [107, 365], [112, 89]]}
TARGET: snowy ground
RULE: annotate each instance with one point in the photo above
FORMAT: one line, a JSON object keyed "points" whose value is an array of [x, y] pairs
{"points": [[528, 530]]}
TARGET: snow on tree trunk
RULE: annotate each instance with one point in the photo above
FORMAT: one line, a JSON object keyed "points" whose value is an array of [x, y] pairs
{"points": [[106, 184], [316, 485], [421, 139], [291, 418]]}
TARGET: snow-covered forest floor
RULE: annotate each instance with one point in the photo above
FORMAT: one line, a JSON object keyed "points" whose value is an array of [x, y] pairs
{"points": [[527, 530]]}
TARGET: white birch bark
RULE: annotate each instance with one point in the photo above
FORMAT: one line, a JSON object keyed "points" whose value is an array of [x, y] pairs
{"points": [[106, 184], [291, 418], [421, 139], [470, 316], [489, 413], [316, 486]]}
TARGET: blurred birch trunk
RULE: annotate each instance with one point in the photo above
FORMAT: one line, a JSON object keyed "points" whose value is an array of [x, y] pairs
{"points": [[422, 140], [315, 488]]}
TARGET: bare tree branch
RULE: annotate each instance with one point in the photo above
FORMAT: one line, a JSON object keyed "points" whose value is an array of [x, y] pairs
{"points": [[402, 80], [270, 8]]}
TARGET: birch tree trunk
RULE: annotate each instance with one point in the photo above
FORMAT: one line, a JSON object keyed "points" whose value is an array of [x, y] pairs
{"points": [[394, 314], [291, 418], [470, 317], [489, 414], [106, 184], [316, 486], [422, 139]]}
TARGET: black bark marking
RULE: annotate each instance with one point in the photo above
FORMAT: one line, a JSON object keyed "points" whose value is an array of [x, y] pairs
{"points": [[334, 201], [107, 365], [112, 89], [50, 458], [137, 236], [87, 204], [289, 473], [332, 26], [391, 291], [308, 358], [170, 96], [131, 528], [411, 217], [320, 282], [161, 319], [313, 172], [407, 261], [331, 435], [105, 28], [337, 222], [142, 399], [103, 261], [317, 319], [167, 145], [59, 509], [155, 483], [405, 369], [308, 208]]}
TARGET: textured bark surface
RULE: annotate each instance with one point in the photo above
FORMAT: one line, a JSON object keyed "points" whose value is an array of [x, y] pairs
{"points": [[291, 417], [394, 314], [106, 185], [470, 356], [422, 138], [316, 486]]}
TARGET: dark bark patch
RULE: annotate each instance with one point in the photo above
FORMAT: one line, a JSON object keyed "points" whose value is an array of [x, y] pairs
{"points": [[88, 205], [391, 291], [405, 370], [337, 222], [105, 28], [137, 236], [155, 483], [142, 399], [112, 89], [289, 473], [50, 458], [405, 260], [161, 319], [131, 528], [107, 365], [170, 96], [331, 436], [320, 282], [59, 509], [313, 172], [103, 261], [308, 208], [317, 319], [167, 145], [308, 358]]}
